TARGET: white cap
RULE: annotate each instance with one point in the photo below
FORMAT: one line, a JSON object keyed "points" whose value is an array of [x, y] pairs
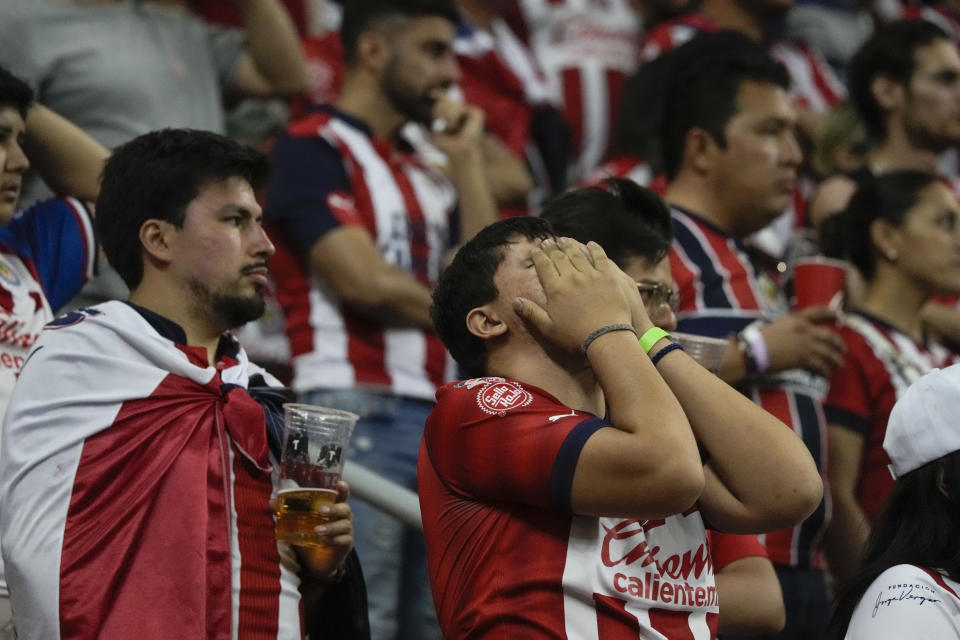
{"points": [[925, 422]]}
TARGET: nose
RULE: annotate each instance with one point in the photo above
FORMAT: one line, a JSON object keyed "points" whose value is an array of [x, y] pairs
{"points": [[16, 160], [792, 153], [451, 70], [262, 246]]}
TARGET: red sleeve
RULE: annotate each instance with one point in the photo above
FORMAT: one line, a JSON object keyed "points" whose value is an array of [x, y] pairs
{"points": [[727, 547], [848, 401], [499, 440]]}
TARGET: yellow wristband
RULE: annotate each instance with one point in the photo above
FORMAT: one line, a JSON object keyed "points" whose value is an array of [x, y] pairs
{"points": [[651, 336]]}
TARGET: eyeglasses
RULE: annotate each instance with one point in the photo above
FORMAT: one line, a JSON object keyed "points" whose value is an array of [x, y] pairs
{"points": [[656, 295]]}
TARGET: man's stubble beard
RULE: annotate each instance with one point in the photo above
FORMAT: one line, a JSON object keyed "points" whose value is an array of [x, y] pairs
{"points": [[928, 141], [227, 311], [413, 106]]}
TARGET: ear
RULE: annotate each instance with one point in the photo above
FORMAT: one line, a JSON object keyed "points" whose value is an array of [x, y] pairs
{"points": [[886, 239], [156, 240], [699, 150], [485, 323], [889, 94], [373, 51]]}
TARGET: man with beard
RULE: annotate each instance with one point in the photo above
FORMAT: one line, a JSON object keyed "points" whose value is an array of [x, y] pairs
{"points": [[140, 442], [363, 221], [905, 84]]}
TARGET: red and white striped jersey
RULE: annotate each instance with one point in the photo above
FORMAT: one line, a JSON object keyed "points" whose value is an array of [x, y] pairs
{"points": [[879, 364], [813, 83], [329, 172], [586, 48], [722, 292], [509, 558], [500, 75], [135, 482]]}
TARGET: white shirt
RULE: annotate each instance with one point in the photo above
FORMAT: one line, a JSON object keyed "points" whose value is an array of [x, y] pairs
{"points": [[907, 602]]}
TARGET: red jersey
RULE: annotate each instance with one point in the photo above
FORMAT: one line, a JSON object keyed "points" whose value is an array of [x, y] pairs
{"points": [[722, 292], [586, 50], [500, 75], [331, 172], [879, 365], [507, 556]]}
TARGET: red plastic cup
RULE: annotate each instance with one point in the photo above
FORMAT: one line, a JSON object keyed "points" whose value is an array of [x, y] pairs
{"points": [[818, 282]]}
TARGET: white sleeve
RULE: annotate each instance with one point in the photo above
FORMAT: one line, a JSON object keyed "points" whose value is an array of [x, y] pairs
{"points": [[906, 603]]}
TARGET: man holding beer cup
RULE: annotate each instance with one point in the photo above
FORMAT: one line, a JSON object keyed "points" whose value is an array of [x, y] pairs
{"points": [[140, 445]]}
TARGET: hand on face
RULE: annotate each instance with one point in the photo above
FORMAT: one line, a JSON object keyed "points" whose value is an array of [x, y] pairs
{"points": [[640, 316], [584, 290], [462, 126]]}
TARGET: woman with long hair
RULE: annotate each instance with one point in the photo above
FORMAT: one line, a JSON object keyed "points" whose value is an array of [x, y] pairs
{"points": [[901, 230], [908, 585]]}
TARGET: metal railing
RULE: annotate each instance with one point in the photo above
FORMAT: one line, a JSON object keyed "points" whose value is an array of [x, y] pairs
{"points": [[385, 495]]}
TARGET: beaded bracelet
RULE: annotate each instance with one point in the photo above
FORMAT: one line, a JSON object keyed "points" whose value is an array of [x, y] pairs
{"points": [[673, 346], [602, 331]]}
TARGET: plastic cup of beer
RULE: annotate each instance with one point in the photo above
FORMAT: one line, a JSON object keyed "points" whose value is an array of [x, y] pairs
{"points": [[315, 440], [818, 282]]}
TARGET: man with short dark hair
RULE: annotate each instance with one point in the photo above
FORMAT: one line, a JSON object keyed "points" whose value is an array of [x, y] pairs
{"points": [[561, 490], [732, 156], [905, 83], [364, 220], [139, 446]]}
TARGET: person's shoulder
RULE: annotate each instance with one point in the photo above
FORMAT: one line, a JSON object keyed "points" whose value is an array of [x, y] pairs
{"points": [[306, 141], [474, 390], [73, 337], [491, 397], [911, 575], [908, 601], [37, 221]]}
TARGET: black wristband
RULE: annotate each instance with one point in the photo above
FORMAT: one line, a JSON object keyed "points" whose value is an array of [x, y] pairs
{"points": [[673, 346]]}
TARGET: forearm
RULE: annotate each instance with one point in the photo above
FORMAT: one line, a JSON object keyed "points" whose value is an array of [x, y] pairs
{"points": [[750, 598], [846, 537], [394, 297], [274, 45], [68, 159], [638, 399], [647, 466], [764, 467], [477, 206]]}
